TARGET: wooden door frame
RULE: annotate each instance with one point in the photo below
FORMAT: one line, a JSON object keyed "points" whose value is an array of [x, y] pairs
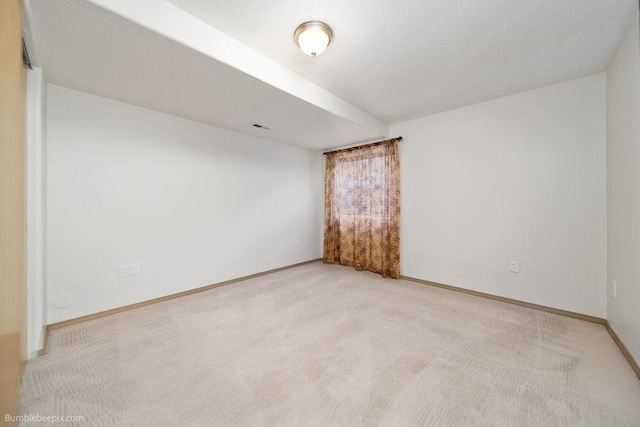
{"points": [[12, 208]]}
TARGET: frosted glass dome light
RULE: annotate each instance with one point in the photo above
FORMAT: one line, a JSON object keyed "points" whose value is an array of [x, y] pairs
{"points": [[313, 37]]}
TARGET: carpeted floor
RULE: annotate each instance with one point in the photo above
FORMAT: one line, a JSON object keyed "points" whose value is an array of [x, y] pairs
{"points": [[327, 345]]}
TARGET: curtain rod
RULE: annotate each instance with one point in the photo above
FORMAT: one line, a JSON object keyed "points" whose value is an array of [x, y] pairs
{"points": [[398, 138]]}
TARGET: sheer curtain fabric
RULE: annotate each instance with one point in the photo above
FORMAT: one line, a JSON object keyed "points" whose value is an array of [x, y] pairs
{"points": [[362, 208]]}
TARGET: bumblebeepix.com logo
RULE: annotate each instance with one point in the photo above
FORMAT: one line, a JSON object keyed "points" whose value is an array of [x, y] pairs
{"points": [[45, 419]]}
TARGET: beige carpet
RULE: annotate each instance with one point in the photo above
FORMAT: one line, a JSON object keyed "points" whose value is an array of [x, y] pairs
{"points": [[327, 345]]}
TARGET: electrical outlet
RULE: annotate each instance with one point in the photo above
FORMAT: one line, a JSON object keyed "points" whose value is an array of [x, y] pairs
{"points": [[614, 288], [515, 267], [135, 268], [124, 270]]}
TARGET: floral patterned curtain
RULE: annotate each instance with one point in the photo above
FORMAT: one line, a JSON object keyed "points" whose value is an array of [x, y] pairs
{"points": [[362, 208]]}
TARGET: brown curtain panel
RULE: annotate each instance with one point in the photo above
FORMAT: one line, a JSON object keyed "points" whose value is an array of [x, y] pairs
{"points": [[362, 208]]}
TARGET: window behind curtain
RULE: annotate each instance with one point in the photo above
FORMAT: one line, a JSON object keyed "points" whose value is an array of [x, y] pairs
{"points": [[362, 208]]}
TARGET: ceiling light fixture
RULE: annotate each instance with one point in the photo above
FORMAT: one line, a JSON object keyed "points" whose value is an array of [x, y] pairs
{"points": [[313, 37]]}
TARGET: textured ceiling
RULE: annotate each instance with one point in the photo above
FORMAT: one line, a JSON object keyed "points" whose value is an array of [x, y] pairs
{"points": [[404, 59], [87, 48], [231, 63]]}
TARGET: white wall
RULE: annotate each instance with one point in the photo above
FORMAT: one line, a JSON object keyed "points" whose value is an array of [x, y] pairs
{"points": [[194, 204], [518, 178], [36, 123], [623, 189]]}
